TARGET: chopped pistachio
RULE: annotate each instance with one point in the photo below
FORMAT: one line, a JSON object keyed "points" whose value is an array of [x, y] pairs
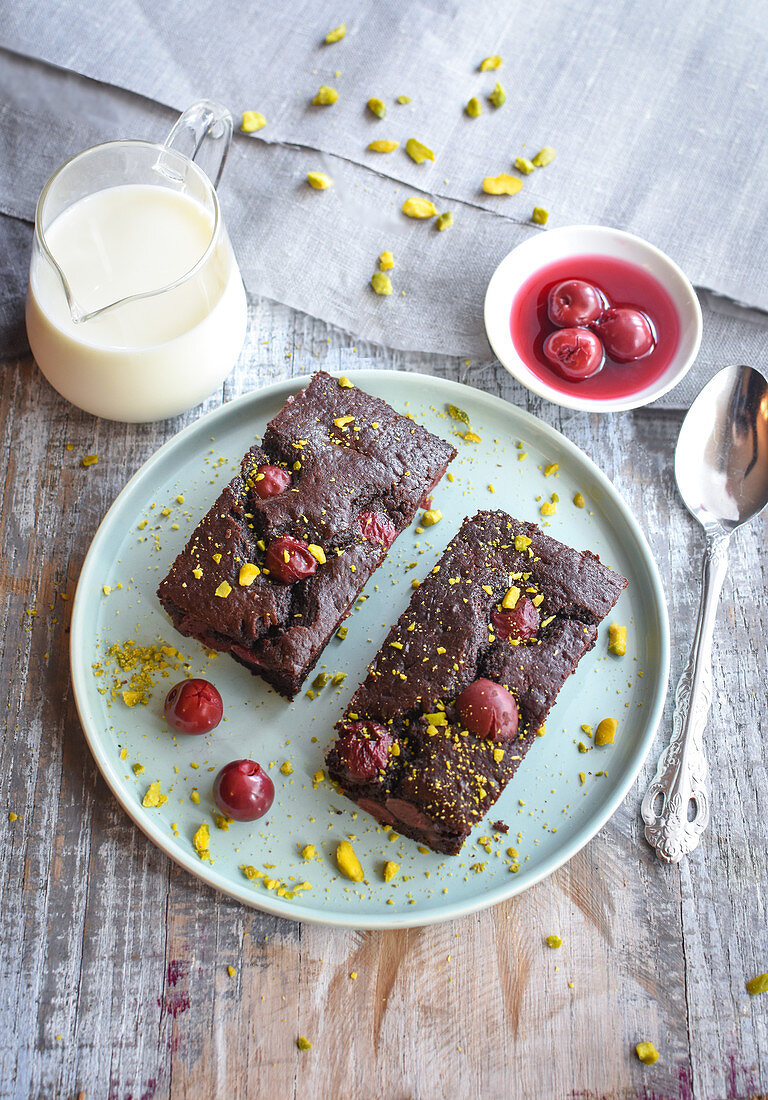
{"points": [[348, 863], [223, 590], [617, 639], [502, 185], [308, 851], [431, 517], [647, 1053], [419, 208], [606, 731], [386, 261], [524, 165], [201, 842], [418, 152], [286, 768], [488, 64], [554, 941], [511, 596], [252, 121], [303, 1044], [544, 157], [345, 383], [341, 633], [474, 108], [317, 553], [445, 221], [522, 542], [89, 460], [383, 146], [551, 468], [336, 34], [471, 437], [540, 216], [758, 984], [390, 870], [325, 96], [578, 500], [377, 107], [498, 96], [403, 99], [548, 508], [381, 283], [248, 574], [319, 181], [320, 681]]}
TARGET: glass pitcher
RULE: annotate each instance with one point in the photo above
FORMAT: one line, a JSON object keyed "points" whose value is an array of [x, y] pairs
{"points": [[136, 309]]}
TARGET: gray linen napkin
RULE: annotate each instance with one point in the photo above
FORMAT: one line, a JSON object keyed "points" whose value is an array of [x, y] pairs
{"points": [[641, 102]]}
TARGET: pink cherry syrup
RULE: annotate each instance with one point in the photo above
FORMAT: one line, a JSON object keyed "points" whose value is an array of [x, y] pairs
{"points": [[624, 284]]}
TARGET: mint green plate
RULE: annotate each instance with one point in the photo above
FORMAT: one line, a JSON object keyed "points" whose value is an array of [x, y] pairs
{"points": [[551, 814]]}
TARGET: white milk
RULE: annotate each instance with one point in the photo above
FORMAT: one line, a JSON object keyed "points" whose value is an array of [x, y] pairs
{"points": [[151, 358]]}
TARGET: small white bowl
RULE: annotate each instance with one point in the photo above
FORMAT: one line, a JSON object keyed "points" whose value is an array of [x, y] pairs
{"points": [[594, 240]]}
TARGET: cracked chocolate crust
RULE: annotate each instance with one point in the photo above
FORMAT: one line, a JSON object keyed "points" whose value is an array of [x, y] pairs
{"points": [[442, 780], [375, 461]]}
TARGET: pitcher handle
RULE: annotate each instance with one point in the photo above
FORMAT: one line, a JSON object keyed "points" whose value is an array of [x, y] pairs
{"points": [[205, 125]]}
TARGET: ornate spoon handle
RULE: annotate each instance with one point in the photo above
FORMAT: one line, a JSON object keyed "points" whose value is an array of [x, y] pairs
{"points": [[682, 775]]}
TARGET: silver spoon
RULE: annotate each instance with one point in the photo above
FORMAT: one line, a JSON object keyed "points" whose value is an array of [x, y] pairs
{"points": [[721, 468]]}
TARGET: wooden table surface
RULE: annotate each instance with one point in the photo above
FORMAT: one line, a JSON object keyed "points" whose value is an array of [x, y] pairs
{"points": [[114, 961]]}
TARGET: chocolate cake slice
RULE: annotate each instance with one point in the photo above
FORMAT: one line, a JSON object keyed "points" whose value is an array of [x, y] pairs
{"points": [[466, 677], [275, 565]]}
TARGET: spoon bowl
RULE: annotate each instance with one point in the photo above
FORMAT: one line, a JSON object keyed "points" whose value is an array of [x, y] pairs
{"points": [[721, 467], [721, 460]]}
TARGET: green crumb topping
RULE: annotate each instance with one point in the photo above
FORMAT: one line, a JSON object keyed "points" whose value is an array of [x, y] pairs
{"points": [[381, 283], [498, 96], [758, 984], [647, 1053]]}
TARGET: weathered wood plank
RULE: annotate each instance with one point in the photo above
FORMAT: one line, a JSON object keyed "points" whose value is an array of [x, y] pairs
{"points": [[124, 956]]}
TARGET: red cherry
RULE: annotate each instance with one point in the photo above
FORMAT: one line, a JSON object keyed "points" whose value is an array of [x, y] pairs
{"points": [[363, 749], [521, 623], [243, 790], [377, 527], [488, 710], [575, 352], [626, 333], [575, 302], [193, 706], [270, 481], [288, 560]]}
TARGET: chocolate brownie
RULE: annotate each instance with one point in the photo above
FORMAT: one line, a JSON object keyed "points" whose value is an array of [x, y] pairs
{"points": [[466, 677], [275, 565]]}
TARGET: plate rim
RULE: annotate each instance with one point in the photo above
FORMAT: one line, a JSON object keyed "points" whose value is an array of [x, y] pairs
{"points": [[276, 906]]}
